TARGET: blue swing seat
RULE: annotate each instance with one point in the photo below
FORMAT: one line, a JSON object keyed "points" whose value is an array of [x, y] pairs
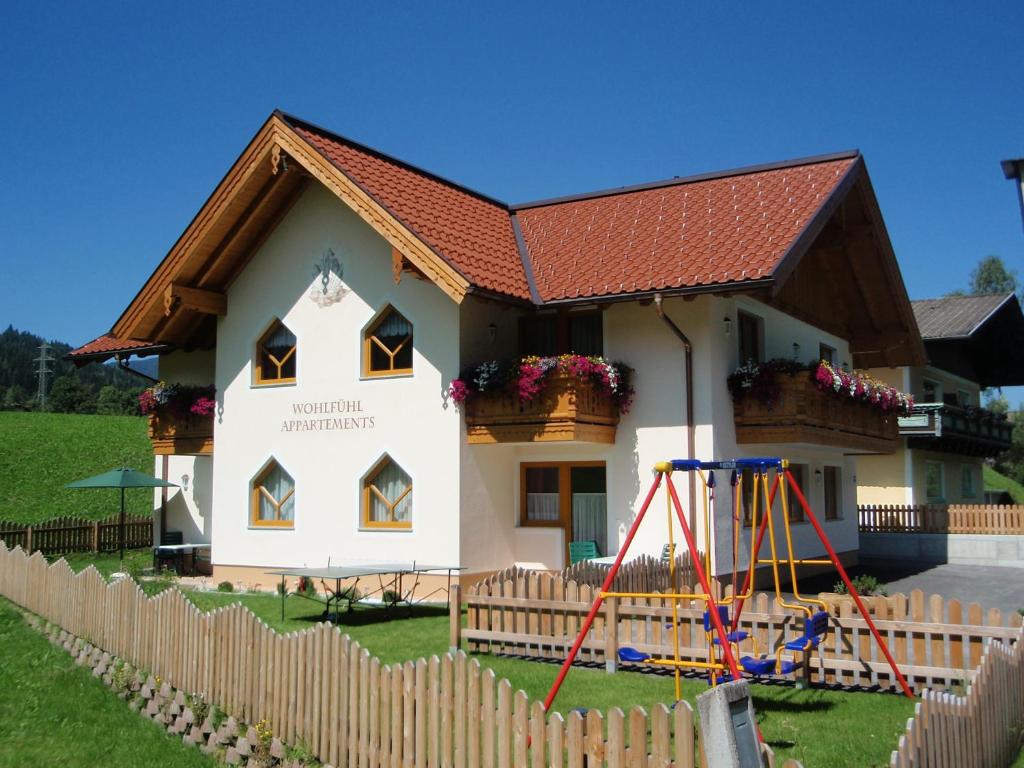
{"points": [[632, 654], [723, 614], [814, 630], [764, 666]]}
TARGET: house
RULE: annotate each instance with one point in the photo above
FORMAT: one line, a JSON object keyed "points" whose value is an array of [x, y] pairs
{"points": [[331, 294], [970, 342]]}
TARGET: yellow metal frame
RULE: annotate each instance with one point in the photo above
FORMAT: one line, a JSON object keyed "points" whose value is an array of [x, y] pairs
{"points": [[760, 497]]}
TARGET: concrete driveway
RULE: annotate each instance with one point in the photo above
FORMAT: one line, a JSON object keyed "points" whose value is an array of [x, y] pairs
{"points": [[988, 585]]}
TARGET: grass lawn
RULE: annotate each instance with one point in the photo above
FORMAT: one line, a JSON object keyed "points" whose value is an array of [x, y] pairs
{"points": [[41, 452], [53, 712], [817, 727], [997, 482]]}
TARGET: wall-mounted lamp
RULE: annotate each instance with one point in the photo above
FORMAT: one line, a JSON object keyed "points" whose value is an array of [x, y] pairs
{"points": [[492, 332], [727, 323], [817, 476], [796, 351], [184, 482]]}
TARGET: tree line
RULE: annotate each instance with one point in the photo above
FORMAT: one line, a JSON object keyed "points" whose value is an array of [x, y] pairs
{"points": [[103, 389]]}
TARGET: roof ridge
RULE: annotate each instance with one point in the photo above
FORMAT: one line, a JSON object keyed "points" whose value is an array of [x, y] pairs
{"points": [[692, 179], [294, 120]]}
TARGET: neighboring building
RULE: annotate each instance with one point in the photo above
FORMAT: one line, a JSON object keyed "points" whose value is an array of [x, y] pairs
{"points": [[332, 293], [972, 342]]}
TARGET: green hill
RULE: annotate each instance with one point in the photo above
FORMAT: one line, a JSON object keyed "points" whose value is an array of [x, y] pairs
{"points": [[40, 452], [997, 482]]}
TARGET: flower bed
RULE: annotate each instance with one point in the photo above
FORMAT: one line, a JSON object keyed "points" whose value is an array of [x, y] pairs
{"points": [[528, 378], [763, 382]]}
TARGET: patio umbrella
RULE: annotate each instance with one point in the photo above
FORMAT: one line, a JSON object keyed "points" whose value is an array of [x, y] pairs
{"points": [[122, 478]]}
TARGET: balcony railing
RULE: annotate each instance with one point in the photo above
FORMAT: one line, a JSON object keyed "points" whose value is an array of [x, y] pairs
{"points": [[802, 413], [568, 409], [950, 428], [172, 435]]}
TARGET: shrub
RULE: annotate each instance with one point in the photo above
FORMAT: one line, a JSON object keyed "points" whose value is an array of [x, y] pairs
{"points": [[865, 584], [225, 586]]}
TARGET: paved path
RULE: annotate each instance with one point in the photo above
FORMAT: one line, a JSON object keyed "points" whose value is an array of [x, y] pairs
{"points": [[989, 585]]}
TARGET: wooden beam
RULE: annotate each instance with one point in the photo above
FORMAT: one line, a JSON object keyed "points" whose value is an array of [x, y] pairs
{"points": [[196, 299]]}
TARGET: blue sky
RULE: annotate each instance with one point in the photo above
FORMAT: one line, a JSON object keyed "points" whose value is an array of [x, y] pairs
{"points": [[119, 119]]}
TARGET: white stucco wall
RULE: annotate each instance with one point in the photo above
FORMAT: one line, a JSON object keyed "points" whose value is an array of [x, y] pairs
{"points": [[653, 430], [404, 417], [189, 505], [181, 367]]}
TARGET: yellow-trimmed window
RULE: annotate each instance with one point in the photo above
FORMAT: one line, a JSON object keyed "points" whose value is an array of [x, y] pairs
{"points": [[387, 345], [276, 355], [273, 498], [387, 496]]}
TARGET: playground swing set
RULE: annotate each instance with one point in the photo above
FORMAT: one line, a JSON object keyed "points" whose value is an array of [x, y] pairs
{"points": [[722, 617]]}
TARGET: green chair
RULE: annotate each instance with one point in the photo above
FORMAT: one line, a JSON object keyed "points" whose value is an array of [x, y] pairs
{"points": [[667, 552], [582, 550]]}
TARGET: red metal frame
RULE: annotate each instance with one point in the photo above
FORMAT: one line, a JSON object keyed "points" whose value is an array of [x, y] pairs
{"points": [[712, 605]]}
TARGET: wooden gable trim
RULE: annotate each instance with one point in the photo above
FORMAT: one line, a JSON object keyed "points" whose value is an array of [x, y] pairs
{"points": [[240, 173], [274, 138], [418, 253]]}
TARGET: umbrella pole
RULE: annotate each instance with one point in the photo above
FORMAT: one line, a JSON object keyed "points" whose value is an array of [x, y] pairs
{"points": [[121, 531]]}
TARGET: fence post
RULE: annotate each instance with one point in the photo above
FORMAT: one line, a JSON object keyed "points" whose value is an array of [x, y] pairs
{"points": [[28, 539], [95, 536], [454, 617], [611, 634]]}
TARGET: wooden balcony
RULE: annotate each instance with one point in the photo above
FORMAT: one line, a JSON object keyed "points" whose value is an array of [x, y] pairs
{"points": [[189, 435], [805, 414], [567, 409], [952, 429]]}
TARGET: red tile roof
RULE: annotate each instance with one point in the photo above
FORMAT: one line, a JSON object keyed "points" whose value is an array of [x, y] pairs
{"points": [[470, 231], [679, 234], [716, 229], [107, 345]]}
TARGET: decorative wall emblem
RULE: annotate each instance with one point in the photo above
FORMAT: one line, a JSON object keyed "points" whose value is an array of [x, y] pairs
{"points": [[328, 288]]}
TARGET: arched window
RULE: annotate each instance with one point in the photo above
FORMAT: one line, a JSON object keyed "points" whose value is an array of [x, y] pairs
{"points": [[273, 497], [387, 496], [387, 345], [275, 355]]}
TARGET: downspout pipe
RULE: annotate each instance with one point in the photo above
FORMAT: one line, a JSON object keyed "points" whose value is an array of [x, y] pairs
{"points": [[691, 437]]}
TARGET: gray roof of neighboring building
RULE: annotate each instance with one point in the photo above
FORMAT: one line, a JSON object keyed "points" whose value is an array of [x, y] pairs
{"points": [[955, 317]]}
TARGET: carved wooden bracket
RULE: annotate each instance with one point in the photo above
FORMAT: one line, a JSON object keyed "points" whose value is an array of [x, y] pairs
{"points": [[196, 299], [397, 261]]}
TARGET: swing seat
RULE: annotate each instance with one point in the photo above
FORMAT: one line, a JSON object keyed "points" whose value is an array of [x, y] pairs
{"points": [[723, 615], [814, 630], [765, 666], [632, 654], [732, 637]]}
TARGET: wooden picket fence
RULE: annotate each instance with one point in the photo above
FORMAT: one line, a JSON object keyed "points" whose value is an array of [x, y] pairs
{"points": [[642, 574], [980, 729], [323, 689], [936, 643], [999, 519], [63, 535]]}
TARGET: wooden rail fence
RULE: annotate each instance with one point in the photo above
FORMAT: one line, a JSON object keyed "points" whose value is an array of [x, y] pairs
{"points": [[936, 643], [1000, 519], [322, 688], [63, 535], [978, 730]]}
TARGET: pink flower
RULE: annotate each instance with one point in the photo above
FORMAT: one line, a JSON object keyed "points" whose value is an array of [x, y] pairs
{"points": [[458, 391], [203, 406]]}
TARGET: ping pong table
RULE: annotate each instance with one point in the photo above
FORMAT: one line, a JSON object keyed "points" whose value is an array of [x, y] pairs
{"points": [[396, 571]]}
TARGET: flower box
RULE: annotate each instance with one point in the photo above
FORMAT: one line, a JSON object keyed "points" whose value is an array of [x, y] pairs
{"points": [[189, 434], [802, 412], [568, 408]]}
